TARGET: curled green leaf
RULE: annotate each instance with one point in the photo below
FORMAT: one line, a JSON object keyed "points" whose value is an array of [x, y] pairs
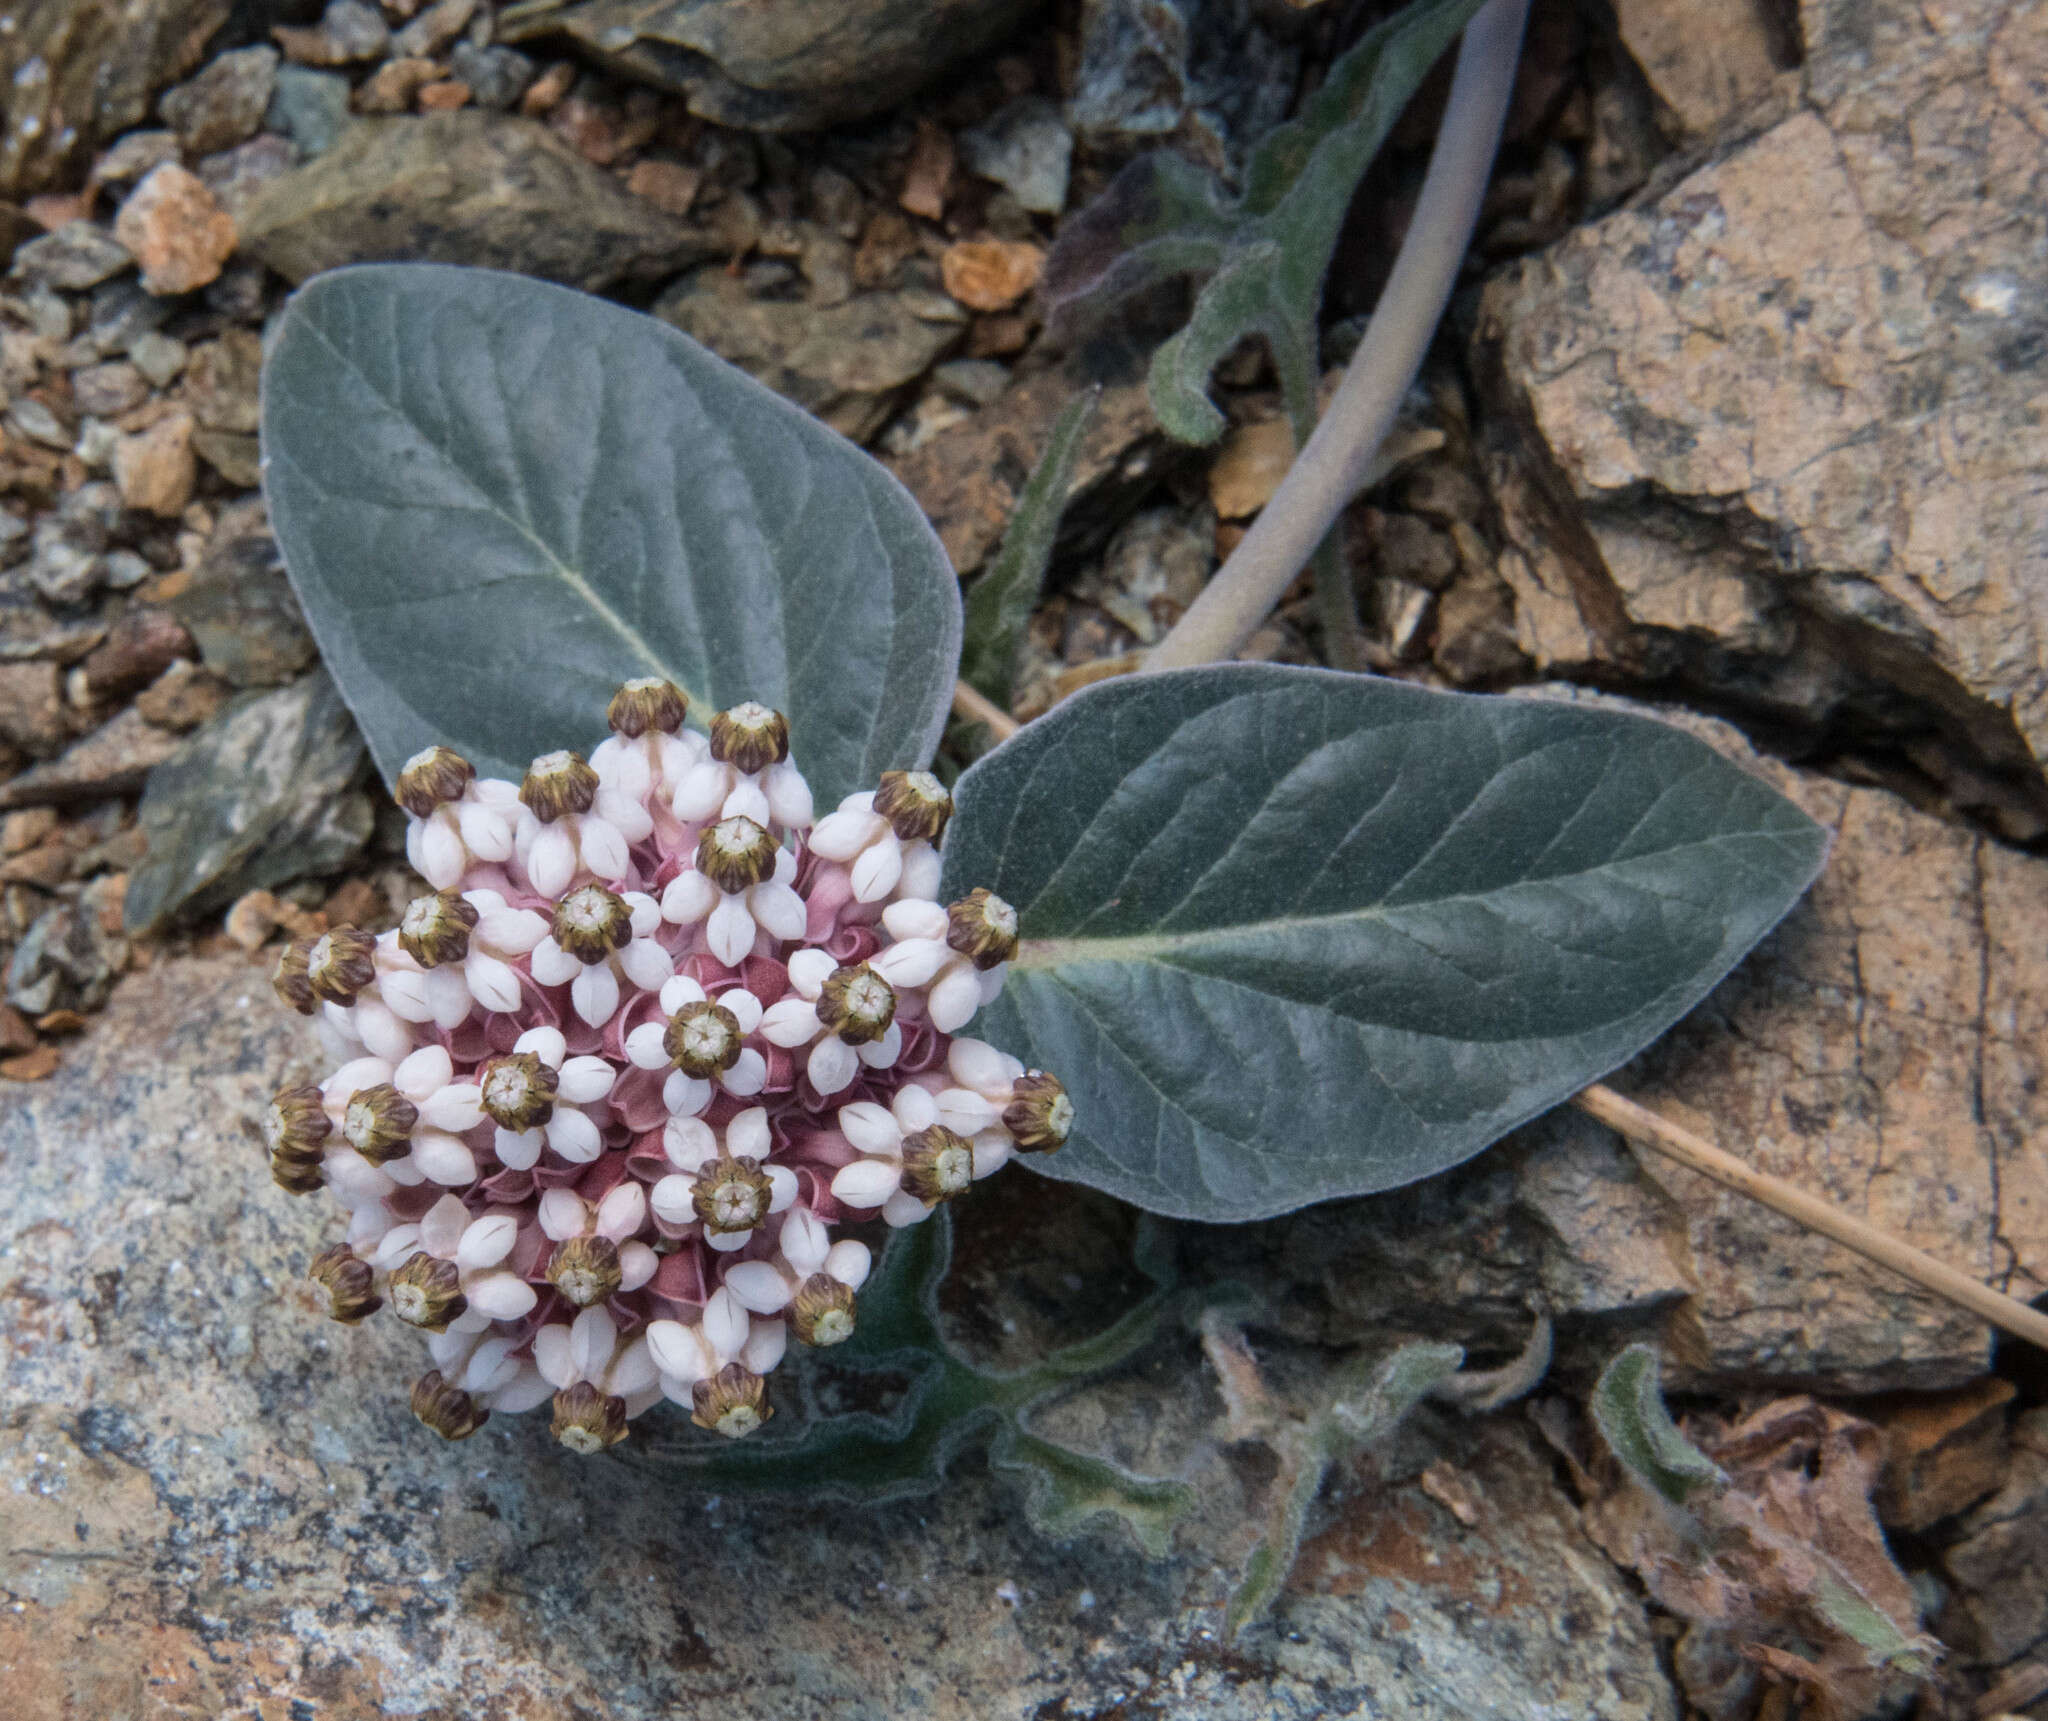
{"points": [[1628, 1409]]}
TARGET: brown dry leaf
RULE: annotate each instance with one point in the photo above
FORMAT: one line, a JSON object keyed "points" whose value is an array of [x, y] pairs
{"points": [[930, 174], [991, 274], [1249, 467], [1787, 1551], [34, 1066]]}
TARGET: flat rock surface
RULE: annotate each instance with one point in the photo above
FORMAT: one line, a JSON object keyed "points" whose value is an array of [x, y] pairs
{"points": [[217, 1500]]}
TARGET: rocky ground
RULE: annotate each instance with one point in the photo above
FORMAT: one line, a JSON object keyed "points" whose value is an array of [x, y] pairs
{"points": [[1738, 417]]}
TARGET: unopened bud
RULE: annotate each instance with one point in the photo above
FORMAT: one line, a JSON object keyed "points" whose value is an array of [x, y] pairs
{"points": [[295, 1132], [648, 702], [750, 737], [937, 1164], [1040, 1115], [431, 778], [591, 922], [449, 1412], [585, 1270], [293, 981], [436, 928], [983, 928], [340, 964], [732, 1195], [821, 1312], [735, 854], [557, 784], [349, 1283], [588, 1419], [378, 1123], [518, 1091], [916, 805], [703, 1038], [733, 1402], [427, 1292], [857, 1004]]}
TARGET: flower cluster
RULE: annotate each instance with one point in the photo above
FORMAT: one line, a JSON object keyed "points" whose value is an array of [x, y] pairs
{"points": [[608, 1089]]}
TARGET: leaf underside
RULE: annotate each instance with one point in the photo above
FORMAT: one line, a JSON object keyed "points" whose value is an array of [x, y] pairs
{"points": [[1292, 935], [498, 499]]}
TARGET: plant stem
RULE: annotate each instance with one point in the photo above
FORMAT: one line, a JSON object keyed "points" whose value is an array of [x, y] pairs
{"points": [[971, 705], [1640, 1124], [1330, 469], [1295, 362]]}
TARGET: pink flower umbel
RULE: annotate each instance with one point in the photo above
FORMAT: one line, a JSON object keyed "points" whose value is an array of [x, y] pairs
{"points": [[604, 1097]]}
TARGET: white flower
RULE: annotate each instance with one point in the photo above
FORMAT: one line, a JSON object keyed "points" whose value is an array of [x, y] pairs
{"points": [[536, 1095], [806, 1250], [478, 1248], [767, 901], [568, 825], [748, 774], [599, 939], [885, 838], [700, 1043], [462, 949], [588, 1349], [922, 960], [724, 1333], [856, 1001], [481, 1364], [458, 820], [910, 1160], [730, 1190]]}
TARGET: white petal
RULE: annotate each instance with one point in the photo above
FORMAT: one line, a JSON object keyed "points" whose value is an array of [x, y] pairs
{"points": [[623, 1211], [758, 1287], [745, 1008], [842, 835], [644, 1048], [486, 832], [725, 1324], [785, 866], [528, 1390], [778, 908], [551, 1355], [574, 1136], [633, 1371], [546, 1044], [593, 1336], [442, 1226], [882, 1054], [511, 931], [748, 1076], [518, 1150], [993, 1149], [850, 1261], [502, 1296], [901, 1210], [805, 1242], [912, 962], [487, 1241], [688, 1142], [912, 917], [382, 1033], [730, 931], [951, 1003], [442, 856], [492, 983], [354, 1180], [444, 1158], [680, 991], [989, 981], [490, 1361], [398, 1246], [646, 964], [405, 995], [702, 792], [423, 1072], [603, 847], [871, 1128], [621, 766], [354, 1076], [914, 1109], [809, 969], [584, 1080], [792, 1022], [690, 896], [678, 1351], [725, 1242], [671, 1198], [449, 999], [746, 801], [965, 1112], [646, 920], [367, 1227], [832, 1066], [626, 814], [921, 871], [637, 1264], [405, 1172], [789, 796], [765, 1346], [458, 1108], [563, 1214], [552, 965], [782, 1188], [685, 1096], [876, 872], [867, 1182], [551, 862], [978, 1065], [747, 1134]]}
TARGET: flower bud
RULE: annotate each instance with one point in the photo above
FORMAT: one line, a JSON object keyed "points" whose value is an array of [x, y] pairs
{"points": [[427, 1292], [647, 702], [557, 784], [340, 964], [349, 1283], [821, 1312], [937, 1164], [518, 1091], [432, 778], [378, 1123], [703, 1038], [857, 1004], [733, 1402], [450, 1413], [436, 928], [592, 922], [585, 1270], [732, 1194], [293, 982], [916, 805], [588, 1419], [1040, 1115], [983, 928], [749, 737], [736, 854], [295, 1132]]}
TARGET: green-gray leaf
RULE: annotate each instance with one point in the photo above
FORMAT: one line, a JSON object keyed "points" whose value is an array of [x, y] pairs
{"points": [[498, 499], [1292, 934], [1628, 1409]]}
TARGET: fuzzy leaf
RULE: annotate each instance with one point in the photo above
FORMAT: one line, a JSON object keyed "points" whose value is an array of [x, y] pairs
{"points": [[1377, 1405], [1000, 603], [498, 499], [1629, 1411], [1065, 1491], [1291, 934]]}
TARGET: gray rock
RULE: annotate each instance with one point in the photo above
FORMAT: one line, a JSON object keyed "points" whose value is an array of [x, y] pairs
{"points": [[32, 707], [158, 357], [267, 791], [224, 104], [1999, 1559], [122, 313], [433, 29], [67, 561], [67, 961], [973, 382], [309, 107], [355, 31], [78, 255], [466, 187], [135, 156], [1202, 74], [29, 630], [179, 1406], [240, 609], [114, 759], [780, 68], [237, 176], [1027, 149], [107, 389], [497, 76], [30, 418]]}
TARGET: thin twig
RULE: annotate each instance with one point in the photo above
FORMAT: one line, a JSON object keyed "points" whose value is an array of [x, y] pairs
{"points": [[1640, 1124], [975, 707], [1331, 469]]}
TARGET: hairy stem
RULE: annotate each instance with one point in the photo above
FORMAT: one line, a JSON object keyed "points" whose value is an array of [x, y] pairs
{"points": [[1331, 468]]}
